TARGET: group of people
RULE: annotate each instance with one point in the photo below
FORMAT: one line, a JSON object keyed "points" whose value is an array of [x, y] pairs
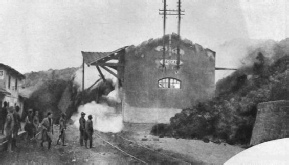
{"points": [[44, 130], [11, 124], [41, 130], [31, 124], [86, 130]]}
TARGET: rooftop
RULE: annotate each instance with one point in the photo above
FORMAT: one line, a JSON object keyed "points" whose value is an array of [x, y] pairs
{"points": [[92, 57], [13, 71]]}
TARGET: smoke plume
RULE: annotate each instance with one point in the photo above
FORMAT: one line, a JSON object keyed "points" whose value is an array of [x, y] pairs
{"points": [[105, 118], [106, 115]]}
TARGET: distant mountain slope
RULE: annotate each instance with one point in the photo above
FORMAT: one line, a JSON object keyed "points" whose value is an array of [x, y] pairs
{"points": [[35, 79]]}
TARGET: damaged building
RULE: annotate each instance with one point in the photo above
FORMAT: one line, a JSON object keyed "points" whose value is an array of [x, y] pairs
{"points": [[157, 84]]}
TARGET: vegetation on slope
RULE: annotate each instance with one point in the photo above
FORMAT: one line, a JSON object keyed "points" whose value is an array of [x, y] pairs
{"points": [[45, 89]]}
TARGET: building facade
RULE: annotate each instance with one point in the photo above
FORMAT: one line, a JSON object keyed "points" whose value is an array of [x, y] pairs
{"points": [[156, 84], [10, 85], [154, 94]]}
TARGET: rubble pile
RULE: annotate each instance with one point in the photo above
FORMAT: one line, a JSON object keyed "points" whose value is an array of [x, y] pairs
{"points": [[230, 115]]}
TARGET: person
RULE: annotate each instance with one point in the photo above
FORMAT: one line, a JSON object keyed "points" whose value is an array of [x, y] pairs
{"points": [[62, 128], [8, 128], [47, 130], [17, 125], [29, 124], [88, 131], [82, 128], [4, 113], [35, 123]]}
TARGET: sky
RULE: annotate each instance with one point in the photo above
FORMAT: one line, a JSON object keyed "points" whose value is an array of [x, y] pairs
{"points": [[50, 34]]}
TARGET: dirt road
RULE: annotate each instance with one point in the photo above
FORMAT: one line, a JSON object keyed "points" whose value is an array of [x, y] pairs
{"points": [[30, 152]]}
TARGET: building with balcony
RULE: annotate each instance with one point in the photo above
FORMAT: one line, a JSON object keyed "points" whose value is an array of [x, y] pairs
{"points": [[10, 84]]}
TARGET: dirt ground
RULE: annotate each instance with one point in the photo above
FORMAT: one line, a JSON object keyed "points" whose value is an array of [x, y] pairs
{"points": [[151, 149], [195, 151], [30, 152]]}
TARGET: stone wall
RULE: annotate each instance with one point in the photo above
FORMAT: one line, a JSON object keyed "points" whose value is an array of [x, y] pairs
{"points": [[272, 122]]}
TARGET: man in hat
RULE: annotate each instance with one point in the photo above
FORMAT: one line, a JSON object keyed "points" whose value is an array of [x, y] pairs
{"points": [[47, 130], [62, 128], [8, 128], [4, 113], [29, 124], [17, 125], [35, 123], [89, 131], [82, 128]]}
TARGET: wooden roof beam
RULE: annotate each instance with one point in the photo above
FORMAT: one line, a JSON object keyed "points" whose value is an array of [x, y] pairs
{"points": [[107, 64], [101, 75], [111, 72]]}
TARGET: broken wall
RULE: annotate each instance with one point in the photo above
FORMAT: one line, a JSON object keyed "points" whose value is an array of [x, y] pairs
{"points": [[144, 101], [272, 122]]}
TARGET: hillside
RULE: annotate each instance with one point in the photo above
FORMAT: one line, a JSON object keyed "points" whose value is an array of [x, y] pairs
{"points": [[230, 115], [44, 89], [35, 79]]}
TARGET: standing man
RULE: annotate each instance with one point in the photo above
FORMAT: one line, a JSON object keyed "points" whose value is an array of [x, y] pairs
{"points": [[89, 131], [29, 124], [62, 127], [35, 123], [8, 128], [82, 128], [17, 125], [47, 130], [4, 113]]}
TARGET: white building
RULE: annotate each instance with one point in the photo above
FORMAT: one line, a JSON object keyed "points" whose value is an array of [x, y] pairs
{"points": [[10, 84]]}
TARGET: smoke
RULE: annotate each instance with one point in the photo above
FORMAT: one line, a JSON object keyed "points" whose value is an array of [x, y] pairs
{"points": [[106, 115], [239, 53]]}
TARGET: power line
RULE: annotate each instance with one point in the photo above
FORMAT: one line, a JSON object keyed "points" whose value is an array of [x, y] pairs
{"points": [[179, 13]]}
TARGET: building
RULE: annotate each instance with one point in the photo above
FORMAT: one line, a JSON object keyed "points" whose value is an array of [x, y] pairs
{"points": [[153, 93], [10, 84]]}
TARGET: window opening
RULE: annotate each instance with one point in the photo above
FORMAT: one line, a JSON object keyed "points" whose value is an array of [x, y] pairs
{"points": [[16, 83], [170, 83], [9, 82]]}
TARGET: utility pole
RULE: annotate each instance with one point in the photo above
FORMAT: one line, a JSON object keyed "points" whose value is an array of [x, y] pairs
{"points": [[179, 32], [83, 74], [164, 29], [178, 12]]}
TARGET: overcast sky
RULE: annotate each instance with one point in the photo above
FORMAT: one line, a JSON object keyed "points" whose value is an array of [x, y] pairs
{"points": [[43, 34]]}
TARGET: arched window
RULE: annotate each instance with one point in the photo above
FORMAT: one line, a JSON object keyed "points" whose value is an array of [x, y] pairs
{"points": [[170, 83]]}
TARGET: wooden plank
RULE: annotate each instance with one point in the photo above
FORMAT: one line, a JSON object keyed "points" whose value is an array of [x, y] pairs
{"points": [[225, 69], [111, 72], [101, 75], [120, 69], [107, 64]]}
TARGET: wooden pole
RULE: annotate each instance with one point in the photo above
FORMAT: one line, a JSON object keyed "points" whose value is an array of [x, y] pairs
{"points": [[82, 73], [179, 34], [164, 47]]}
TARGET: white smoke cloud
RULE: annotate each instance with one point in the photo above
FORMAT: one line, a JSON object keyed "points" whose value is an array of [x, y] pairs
{"points": [[106, 118]]}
